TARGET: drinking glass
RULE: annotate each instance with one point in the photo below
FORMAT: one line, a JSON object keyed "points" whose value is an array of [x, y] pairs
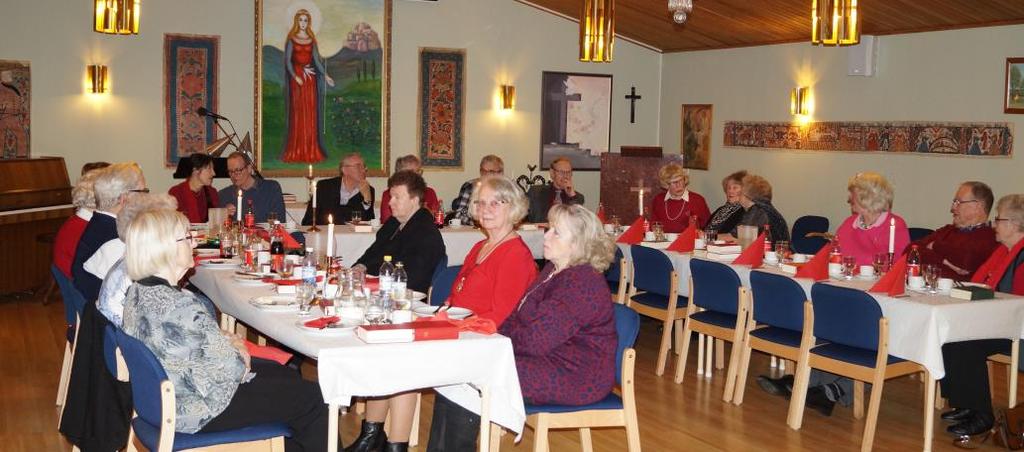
{"points": [[375, 313], [710, 235], [271, 219], [659, 232], [782, 250], [879, 261], [357, 217], [287, 269], [849, 263], [304, 296], [931, 277], [616, 223]]}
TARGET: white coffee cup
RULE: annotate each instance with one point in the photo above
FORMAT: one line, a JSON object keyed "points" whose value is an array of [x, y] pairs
{"points": [[671, 236], [867, 271], [945, 285], [609, 228], [916, 282], [835, 268], [699, 244], [401, 316], [649, 236], [455, 222], [799, 258], [771, 258], [375, 222]]}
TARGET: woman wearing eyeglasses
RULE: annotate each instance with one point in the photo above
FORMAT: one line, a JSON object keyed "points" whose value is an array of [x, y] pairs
{"points": [[493, 279], [216, 385]]}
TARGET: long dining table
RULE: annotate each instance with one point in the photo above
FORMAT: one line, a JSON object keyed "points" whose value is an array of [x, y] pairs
{"points": [[919, 323], [475, 371]]}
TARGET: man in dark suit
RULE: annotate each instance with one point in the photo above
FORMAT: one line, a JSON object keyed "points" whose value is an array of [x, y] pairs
{"points": [[559, 191], [344, 196]]}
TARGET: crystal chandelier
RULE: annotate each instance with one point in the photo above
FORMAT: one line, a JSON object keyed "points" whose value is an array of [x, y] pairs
{"points": [[680, 8]]}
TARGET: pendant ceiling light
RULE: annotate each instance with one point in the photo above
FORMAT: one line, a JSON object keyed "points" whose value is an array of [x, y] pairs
{"points": [[835, 22], [117, 17], [597, 30], [680, 8]]}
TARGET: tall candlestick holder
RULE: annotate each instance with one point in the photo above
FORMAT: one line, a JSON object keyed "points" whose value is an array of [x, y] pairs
{"points": [[312, 202]]}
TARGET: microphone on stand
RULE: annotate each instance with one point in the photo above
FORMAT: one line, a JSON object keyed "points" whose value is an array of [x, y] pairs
{"points": [[202, 111]]}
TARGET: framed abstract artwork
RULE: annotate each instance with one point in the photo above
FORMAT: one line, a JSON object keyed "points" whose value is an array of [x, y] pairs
{"points": [[1013, 101], [190, 83], [695, 136], [15, 109], [442, 107], [322, 85], [575, 118]]}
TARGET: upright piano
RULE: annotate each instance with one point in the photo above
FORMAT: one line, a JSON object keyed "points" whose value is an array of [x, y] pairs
{"points": [[35, 200]]}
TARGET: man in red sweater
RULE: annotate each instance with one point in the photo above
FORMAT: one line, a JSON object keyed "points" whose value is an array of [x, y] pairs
{"points": [[958, 249]]}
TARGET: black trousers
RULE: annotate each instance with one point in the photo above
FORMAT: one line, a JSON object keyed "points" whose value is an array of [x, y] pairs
{"points": [[966, 380], [278, 394], [453, 428]]}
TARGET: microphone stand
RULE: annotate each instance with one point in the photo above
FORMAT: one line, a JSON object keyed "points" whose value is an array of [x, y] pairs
{"points": [[234, 141]]}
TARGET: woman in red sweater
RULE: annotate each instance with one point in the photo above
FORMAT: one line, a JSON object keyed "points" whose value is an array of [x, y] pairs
{"points": [[196, 194], [82, 196], [674, 207]]}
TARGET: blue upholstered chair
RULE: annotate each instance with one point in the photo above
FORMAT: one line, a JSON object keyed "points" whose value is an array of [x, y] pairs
{"points": [[616, 275], [918, 234], [855, 336], [615, 410], [718, 308], [153, 398], [775, 322], [442, 281], [804, 225], [654, 292], [74, 302]]}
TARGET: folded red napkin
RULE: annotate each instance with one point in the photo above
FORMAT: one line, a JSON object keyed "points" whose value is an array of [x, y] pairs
{"points": [[684, 243], [634, 234], [817, 267], [268, 352], [323, 322], [754, 254], [893, 283], [288, 282], [289, 241], [475, 324], [372, 284]]}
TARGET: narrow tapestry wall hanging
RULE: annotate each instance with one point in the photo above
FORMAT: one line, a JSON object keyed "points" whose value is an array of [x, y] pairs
{"points": [[15, 106], [190, 83], [442, 107]]}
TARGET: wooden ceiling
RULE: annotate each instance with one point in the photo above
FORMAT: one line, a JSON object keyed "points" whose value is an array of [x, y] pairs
{"points": [[718, 24]]}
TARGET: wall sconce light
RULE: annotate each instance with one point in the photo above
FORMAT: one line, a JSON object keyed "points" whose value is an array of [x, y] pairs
{"points": [[597, 31], [798, 101], [116, 17], [508, 97], [97, 78], [834, 22]]}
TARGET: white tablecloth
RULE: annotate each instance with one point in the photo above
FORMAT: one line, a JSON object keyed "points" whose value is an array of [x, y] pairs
{"points": [[918, 324], [351, 245], [349, 367]]}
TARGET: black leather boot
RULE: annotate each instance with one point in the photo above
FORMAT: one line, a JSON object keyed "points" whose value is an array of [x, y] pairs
{"points": [[371, 438], [396, 447]]}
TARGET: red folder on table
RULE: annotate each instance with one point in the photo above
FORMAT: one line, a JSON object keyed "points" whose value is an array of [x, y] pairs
{"points": [[754, 254], [893, 283], [817, 267], [634, 234], [684, 243]]}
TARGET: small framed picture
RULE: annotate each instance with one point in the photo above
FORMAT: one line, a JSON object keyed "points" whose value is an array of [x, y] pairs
{"points": [[1013, 102]]}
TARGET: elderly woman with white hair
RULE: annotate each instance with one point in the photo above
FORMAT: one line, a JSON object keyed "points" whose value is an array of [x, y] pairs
{"points": [[758, 210], [66, 240], [866, 232], [217, 386], [674, 207]]}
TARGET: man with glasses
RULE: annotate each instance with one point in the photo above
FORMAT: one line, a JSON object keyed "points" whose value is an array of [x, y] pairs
{"points": [[408, 163], [959, 248], [560, 191], [265, 195], [490, 165], [99, 248], [346, 197]]}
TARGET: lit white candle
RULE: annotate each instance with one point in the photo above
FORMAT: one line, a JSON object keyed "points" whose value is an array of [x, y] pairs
{"points": [[330, 235], [640, 202], [310, 172], [314, 193], [238, 207], [892, 234]]}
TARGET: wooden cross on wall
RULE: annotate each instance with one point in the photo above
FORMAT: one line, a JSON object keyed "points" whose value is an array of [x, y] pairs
{"points": [[632, 104]]}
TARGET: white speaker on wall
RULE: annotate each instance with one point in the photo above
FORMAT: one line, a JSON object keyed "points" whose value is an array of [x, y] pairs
{"points": [[862, 58]]}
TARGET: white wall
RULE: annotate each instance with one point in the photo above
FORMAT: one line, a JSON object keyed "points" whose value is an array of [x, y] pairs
{"points": [[505, 41], [938, 76]]}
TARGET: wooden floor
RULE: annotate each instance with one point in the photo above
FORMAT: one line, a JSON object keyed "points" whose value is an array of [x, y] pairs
{"points": [[687, 417]]}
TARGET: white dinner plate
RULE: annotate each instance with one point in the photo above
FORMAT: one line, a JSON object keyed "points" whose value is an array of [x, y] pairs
{"points": [[454, 312], [416, 296], [866, 277], [220, 263], [278, 303], [249, 280], [341, 328]]}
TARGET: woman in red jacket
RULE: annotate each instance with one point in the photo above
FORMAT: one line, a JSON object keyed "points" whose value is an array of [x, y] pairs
{"points": [[674, 207]]}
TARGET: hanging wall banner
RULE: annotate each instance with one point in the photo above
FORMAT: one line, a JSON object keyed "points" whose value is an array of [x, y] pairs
{"points": [[442, 107], [190, 83]]}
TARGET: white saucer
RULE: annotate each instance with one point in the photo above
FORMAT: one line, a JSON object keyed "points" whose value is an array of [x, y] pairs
{"points": [[220, 263], [337, 329], [276, 303], [454, 312]]}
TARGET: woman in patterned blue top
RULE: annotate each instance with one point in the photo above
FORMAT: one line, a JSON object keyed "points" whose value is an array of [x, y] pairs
{"points": [[216, 385]]}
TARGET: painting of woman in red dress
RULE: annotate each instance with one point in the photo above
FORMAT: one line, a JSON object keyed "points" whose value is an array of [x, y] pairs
{"points": [[307, 81]]}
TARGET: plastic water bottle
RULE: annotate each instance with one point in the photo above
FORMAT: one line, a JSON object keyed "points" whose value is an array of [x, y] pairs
{"points": [[400, 282], [309, 267], [386, 275]]}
